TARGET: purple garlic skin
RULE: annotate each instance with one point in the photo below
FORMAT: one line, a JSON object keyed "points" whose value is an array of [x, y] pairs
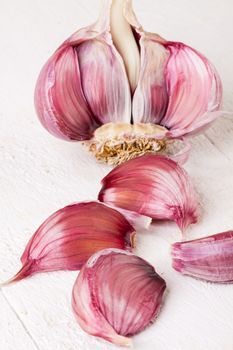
{"points": [[68, 237], [154, 186], [116, 295], [114, 72], [164, 83], [209, 258]]}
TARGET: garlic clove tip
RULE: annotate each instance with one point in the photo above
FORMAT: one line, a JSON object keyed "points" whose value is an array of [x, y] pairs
{"points": [[25, 271], [122, 341]]}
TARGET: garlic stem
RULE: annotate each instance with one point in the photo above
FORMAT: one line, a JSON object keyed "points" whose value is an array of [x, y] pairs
{"points": [[124, 41]]}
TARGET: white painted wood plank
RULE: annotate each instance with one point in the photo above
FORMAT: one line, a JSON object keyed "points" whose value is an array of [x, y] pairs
{"points": [[14, 335], [221, 134], [40, 174]]}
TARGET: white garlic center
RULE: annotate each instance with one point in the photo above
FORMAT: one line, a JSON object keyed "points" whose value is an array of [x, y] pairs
{"points": [[124, 41]]}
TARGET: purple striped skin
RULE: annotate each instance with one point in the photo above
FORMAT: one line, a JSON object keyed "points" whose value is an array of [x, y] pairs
{"points": [[154, 186], [71, 235], [117, 295], [209, 258], [178, 87]]}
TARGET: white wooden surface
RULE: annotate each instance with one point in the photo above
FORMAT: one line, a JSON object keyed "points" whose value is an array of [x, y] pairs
{"points": [[40, 174]]}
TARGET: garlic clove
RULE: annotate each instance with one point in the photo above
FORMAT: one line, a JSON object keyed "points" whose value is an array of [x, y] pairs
{"points": [[104, 81], [153, 186], [59, 99], [194, 90], [177, 88], [209, 258], [71, 235], [116, 295], [62, 99], [151, 98]]}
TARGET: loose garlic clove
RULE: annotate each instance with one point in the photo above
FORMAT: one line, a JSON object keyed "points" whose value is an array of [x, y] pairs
{"points": [[117, 295], [115, 72], [154, 186], [71, 235], [208, 258]]}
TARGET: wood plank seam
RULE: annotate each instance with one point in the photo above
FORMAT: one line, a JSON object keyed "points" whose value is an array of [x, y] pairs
{"points": [[20, 320], [219, 150]]}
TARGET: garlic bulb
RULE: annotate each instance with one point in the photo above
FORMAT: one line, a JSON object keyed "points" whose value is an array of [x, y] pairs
{"points": [[116, 295], [125, 90], [71, 235], [208, 258], [154, 186]]}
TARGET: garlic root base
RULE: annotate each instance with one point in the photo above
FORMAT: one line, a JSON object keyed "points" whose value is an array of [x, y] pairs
{"points": [[115, 143]]}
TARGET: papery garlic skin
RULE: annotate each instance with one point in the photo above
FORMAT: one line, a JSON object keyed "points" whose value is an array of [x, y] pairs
{"points": [[116, 295], [115, 72], [71, 235], [153, 186], [208, 258]]}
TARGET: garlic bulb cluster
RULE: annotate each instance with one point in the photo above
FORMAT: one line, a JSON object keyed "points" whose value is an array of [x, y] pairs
{"points": [[116, 295], [125, 91]]}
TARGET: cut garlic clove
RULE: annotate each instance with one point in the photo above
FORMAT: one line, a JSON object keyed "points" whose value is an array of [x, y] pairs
{"points": [[153, 186], [116, 295], [71, 235], [209, 258]]}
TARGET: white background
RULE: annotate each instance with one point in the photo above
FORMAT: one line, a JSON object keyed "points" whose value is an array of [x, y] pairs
{"points": [[40, 174]]}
